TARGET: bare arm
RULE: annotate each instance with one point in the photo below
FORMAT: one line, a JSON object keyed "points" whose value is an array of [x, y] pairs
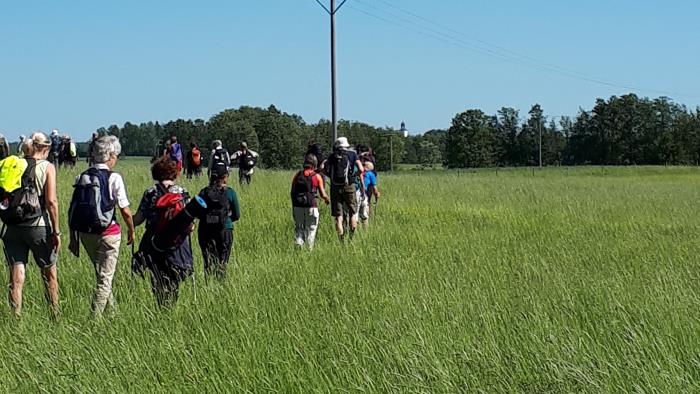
{"points": [[51, 201], [129, 220]]}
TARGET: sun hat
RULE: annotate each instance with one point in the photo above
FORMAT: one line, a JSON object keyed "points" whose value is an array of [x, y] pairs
{"points": [[342, 142]]}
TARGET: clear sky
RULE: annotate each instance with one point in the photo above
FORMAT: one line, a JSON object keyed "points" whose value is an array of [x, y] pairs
{"points": [[77, 65]]}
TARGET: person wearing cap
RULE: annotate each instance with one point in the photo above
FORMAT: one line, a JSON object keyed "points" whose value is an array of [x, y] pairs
{"points": [[343, 166], [306, 184], [246, 160], [215, 232]]}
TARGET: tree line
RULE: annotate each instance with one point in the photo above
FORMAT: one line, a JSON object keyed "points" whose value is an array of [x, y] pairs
{"points": [[624, 130], [280, 138]]}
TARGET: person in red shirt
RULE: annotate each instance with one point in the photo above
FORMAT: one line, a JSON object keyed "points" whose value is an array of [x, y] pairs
{"points": [[306, 184]]}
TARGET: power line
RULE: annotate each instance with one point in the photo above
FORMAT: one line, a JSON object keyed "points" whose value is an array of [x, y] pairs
{"points": [[493, 50]]}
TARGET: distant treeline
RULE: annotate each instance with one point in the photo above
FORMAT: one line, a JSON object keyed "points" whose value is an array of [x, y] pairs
{"points": [[619, 131], [279, 137]]}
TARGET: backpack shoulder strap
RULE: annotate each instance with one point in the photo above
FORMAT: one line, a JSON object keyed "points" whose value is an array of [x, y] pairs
{"points": [[29, 176]]}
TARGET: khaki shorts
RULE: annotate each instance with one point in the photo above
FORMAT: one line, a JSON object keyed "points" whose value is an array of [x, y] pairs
{"points": [[343, 196]]}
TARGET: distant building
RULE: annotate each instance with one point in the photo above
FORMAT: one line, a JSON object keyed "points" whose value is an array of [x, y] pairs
{"points": [[403, 130]]}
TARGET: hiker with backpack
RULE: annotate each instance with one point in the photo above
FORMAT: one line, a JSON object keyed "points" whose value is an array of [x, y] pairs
{"points": [[97, 194], [91, 148], [194, 161], [215, 231], [172, 263], [343, 167], [306, 183], [55, 147], [4, 147], [176, 153], [246, 160], [29, 212], [315, 149], [219, 157]]}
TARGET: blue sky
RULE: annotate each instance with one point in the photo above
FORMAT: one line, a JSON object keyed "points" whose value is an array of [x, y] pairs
{"points": [[77, 65]]}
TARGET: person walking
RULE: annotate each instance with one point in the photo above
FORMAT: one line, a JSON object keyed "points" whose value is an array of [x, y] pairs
{"points": [[169, 268], [91, 149], [4, 147], [371, 190], [219, 157], [92, 219], [22, 139], [55, 147], [176, 153], [215, 232], [306, 184], [34, 228], [193, 161], [343, 167], [246, 160]]}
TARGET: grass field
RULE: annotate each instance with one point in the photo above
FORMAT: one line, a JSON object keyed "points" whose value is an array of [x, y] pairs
{"points": [[563, 281]]}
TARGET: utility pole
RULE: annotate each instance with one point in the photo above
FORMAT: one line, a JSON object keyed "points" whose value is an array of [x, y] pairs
{"points": [[334, 107]]}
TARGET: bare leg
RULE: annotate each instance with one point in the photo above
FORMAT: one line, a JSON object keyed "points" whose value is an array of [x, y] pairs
{"points": [[50, 275], [16, 285], [339, 226]]}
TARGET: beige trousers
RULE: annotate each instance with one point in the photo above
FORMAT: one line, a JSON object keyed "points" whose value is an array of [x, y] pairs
{"points": [[104, 253]]}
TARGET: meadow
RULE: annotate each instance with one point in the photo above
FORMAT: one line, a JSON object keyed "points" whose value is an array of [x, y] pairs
{"points": [[561, 280]]}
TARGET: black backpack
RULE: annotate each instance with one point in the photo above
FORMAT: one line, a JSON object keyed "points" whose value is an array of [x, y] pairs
{"points": [[303, 195], [341, 169], [24, 204], [221, 157], [218, 207], [92, 208], [247, 161]]}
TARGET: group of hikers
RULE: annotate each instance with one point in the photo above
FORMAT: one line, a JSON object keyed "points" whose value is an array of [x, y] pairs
{"points": [[29, 210], [63, 150]]}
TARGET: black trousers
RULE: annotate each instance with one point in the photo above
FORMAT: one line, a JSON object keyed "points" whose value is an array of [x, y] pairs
{"points": [[216, 250], [243, 177]]}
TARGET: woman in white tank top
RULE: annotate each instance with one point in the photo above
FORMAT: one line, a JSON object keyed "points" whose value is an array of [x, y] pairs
{"points": [[41, 236]]}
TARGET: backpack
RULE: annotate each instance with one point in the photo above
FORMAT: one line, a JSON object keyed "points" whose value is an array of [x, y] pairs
{"points": [[221, 157], [247, 161], [73, 149], [22, 204], [92, 208], [303, 195], [196, 157], [167, 207], [176, 152], [341, 168], [218, 208]]}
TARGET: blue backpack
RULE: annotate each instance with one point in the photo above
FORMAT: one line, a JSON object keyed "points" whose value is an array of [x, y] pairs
{"points": [[92, 208]]}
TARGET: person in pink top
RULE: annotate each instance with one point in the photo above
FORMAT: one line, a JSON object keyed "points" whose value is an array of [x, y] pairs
{"points": [[93, 222]]}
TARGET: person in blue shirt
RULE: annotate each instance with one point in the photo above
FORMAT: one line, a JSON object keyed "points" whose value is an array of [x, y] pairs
{"points": [[371, 190]]}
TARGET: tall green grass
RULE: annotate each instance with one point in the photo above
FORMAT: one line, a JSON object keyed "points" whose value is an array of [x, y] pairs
{"points": [[509, 281]]}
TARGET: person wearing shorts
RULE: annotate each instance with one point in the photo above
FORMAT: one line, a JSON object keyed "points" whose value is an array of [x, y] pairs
{"points": [[343, 195], [40, 236]]}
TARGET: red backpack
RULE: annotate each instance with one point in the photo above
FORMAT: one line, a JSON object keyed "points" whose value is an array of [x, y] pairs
{"points": [[196, 157], [167, 207]]}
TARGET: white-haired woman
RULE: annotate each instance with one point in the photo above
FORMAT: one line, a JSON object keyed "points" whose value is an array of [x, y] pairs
{"points": [[101, 240], [41, 235]]}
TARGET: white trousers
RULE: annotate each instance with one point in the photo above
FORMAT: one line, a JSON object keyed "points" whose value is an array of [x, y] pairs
{"points": [[305, 225]]}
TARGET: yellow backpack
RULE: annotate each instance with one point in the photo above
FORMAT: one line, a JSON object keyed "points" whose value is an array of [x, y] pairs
{"points": [[11, 170]]}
